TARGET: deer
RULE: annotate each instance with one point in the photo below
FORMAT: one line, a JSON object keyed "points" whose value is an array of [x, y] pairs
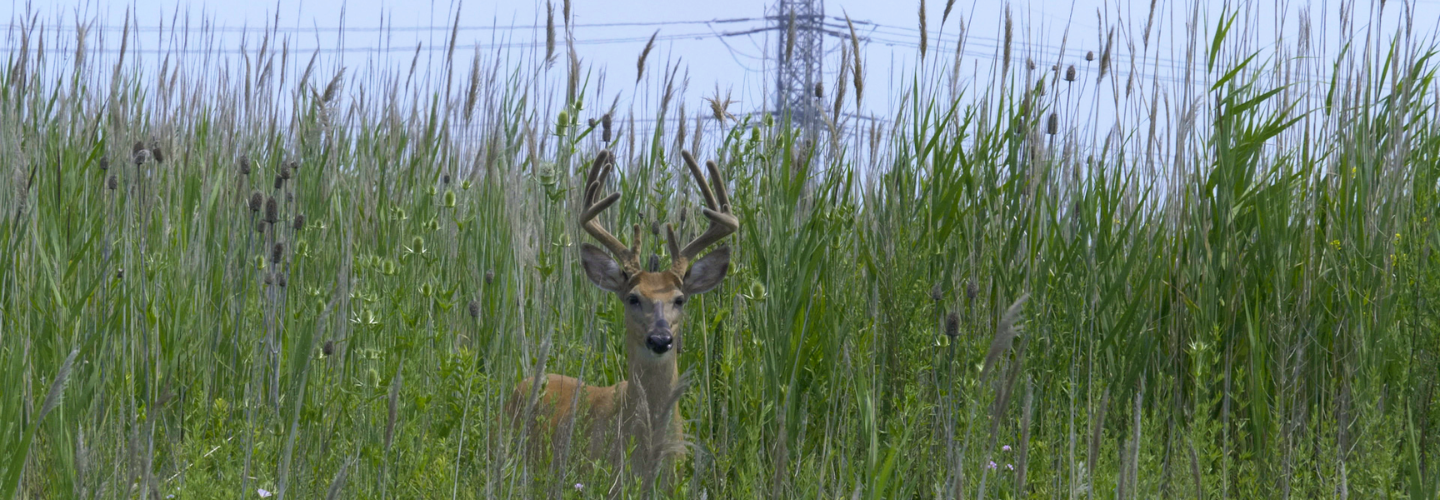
{"points": [[643, 409]]}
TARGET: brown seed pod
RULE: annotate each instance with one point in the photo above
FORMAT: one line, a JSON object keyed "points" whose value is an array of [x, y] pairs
{"points": [[971, 290], [260, 227], [156, 153], [104, 164], [819, 90], [936, 293], [283, 281], [279, 182], [1070, 73], [1090, 56], [329, 348], [272, 210], [277, 252], [489, 276], [286, 172], [269, 279], [445, 179], [1052, 125], [112, 182], [244, 164], [298, 223], [256, 201], [952, 324], [605, 128], [474, 309]]}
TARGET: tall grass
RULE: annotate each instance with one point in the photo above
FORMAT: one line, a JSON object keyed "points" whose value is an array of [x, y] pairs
{"points": [[1229, 271]]}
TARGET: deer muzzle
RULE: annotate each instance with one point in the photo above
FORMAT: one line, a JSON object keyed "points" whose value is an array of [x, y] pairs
{"points": [[659, 341]]}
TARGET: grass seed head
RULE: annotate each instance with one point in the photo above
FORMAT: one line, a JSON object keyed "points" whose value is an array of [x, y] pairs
{"points": [[272, 210], [256, 201]]}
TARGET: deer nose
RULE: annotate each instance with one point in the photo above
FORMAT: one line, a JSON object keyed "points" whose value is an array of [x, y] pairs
{"points": [[659, 343]]}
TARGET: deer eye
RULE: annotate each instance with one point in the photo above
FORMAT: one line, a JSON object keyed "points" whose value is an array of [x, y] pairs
{"points": [[633, 300], [679, 301]]}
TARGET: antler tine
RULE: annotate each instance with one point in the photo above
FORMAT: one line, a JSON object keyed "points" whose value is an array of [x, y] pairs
{"points": [[700, 180], [628, 257], [722, 223]]}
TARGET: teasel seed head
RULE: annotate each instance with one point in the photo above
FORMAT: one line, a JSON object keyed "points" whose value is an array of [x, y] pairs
{"points": [[142, 156], [1070, 73], [283, 281], [279, 183], [1052, 125], [329, 348], [936, 293], [489, 276], [156, 153], [104, 164], [971, 290], [272, 210], [269, 279], [1090, 56], [819, 90], [952, 324], [112, 182], [417, 244], [593, 122], [277, 252], [474, 308], [655, 227], [605, 128], [298, 223], [256, 201], [445, 179], [244, 163], [449, 199], [285, 172]]}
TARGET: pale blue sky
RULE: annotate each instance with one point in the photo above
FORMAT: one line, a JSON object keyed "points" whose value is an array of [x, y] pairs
{"points": [[734, 62]]}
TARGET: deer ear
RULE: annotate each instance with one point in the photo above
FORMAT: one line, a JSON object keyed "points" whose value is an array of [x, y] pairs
{"points": [[602, 270], [708, 272]]}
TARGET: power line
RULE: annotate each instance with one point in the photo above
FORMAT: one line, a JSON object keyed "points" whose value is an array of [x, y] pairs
{"points": [[432, 28]]}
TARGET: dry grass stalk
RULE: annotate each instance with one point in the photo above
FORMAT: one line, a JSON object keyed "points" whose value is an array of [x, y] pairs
{"points": [[1105, 55], [790, 36], [720, 108], [924, 35], [645, 53], [549, 33], [855, 48], [1004, 335], [1009, 37], [949, 4]]}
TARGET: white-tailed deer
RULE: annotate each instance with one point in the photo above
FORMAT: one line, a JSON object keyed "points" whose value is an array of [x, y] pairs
{"points": [[641, 410]]}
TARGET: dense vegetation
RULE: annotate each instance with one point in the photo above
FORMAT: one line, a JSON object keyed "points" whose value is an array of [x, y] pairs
{"points": [[224, 275]]}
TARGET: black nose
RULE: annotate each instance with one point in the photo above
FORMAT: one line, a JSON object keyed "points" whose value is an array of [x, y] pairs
{"points": [[659, 343]]}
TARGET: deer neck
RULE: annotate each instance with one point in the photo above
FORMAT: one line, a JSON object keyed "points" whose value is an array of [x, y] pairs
{"points": [[652, 380]]}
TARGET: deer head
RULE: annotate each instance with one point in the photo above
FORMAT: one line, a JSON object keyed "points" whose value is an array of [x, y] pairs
{"points": [[653, 299]]}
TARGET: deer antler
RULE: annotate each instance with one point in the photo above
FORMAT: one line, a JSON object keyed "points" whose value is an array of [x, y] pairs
{"points": [[629, 257], [717, 209]]}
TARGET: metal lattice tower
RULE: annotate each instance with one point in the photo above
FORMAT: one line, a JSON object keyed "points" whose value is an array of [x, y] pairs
{"points": [[799, 62]]}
